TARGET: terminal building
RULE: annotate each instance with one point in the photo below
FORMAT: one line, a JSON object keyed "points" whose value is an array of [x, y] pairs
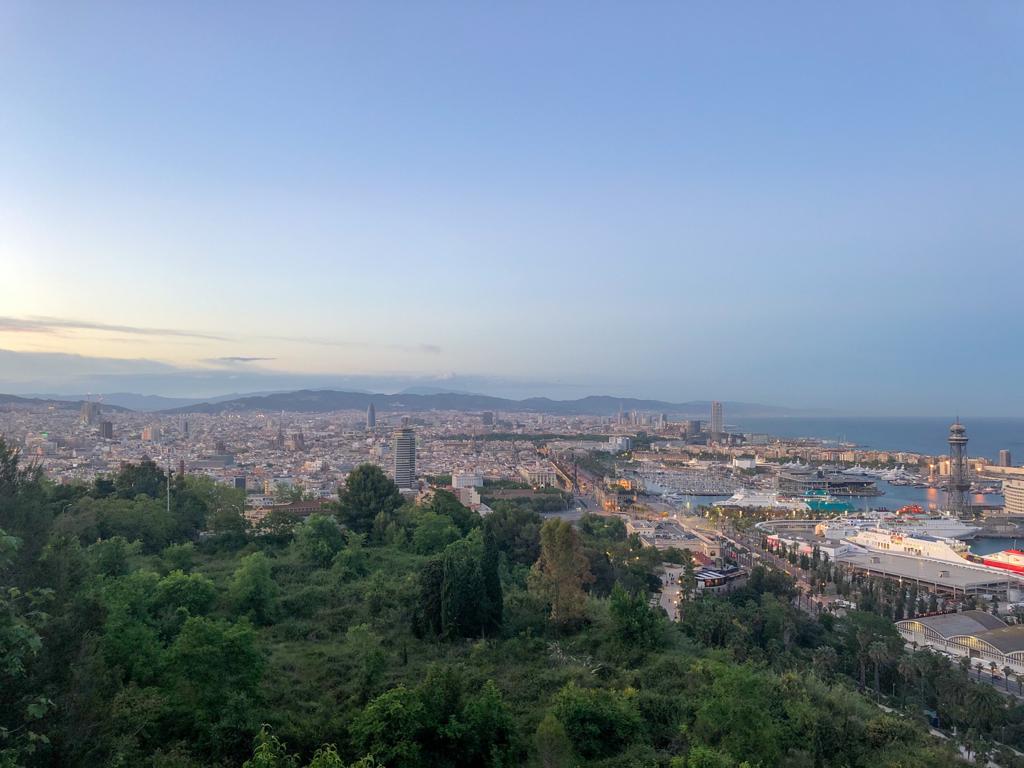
{"points": [[800, 481], [977, 635], [943, 577]]}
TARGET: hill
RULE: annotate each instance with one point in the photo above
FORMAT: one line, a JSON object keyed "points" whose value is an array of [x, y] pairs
{"points": [[16, 401], [321, 401]]}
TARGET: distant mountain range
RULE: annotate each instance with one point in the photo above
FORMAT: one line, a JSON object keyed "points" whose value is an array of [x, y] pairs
{"points": [[135, 402], [61, 403], [322, 401]]}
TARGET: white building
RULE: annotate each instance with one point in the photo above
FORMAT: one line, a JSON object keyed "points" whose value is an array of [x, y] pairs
{"points": [[466, 479], [618, 443], [1013, 494], [539, 474]]}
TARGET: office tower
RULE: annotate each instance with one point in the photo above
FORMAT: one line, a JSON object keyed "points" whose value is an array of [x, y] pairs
{"points": [[89, 412], [371, 417], [692, 426], [1004, 458], [181, 468], [240, 482], [219, 447], [151, 434], [184, 429], [107, 430], [487, 417], [717, 422], [403, 445], [959, 482]]}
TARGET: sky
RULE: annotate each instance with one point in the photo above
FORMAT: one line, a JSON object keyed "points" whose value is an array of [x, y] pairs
{"points": [[806, 204]]}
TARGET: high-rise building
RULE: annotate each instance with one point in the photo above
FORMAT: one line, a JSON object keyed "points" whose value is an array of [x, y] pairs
{"points": [[691, 426], [403, 445], [240, 482], [487, 417], [151, 434], [717, 421], [959, 482], [184, 428], [107, 430], [1005, 459], [371, 417]]}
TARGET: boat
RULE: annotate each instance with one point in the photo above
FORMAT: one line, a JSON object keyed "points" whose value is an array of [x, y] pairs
{"points": [[909, 519], [1008, 559], [748, 499], [821, 501]]}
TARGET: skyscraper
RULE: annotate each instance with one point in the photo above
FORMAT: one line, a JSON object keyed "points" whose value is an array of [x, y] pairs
{"points": [[403, 445], [1005, 459], [487, 417], [959, 483], [371, 417], [717, 421], [107, 430]]}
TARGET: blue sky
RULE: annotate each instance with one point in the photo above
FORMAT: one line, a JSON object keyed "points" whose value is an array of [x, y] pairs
{"points": [[794, 203]]}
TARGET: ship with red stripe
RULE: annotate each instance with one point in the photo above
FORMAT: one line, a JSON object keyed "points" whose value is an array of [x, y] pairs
{"points": [[1008, 559]]}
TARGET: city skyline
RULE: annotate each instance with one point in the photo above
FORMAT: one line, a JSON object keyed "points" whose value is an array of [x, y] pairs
{"points": [[693, 202]]}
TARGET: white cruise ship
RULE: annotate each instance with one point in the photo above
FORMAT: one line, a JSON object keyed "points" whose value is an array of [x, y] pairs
{"points": [[744, 499], [913, 545]]}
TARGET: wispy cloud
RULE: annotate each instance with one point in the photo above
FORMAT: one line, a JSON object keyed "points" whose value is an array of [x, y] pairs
{"points": [[54, 326]]}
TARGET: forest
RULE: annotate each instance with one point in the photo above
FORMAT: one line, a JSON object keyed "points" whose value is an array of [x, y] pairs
{"points": [[143, 622]]}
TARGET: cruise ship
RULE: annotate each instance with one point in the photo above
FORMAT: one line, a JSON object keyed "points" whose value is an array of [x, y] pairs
{"points": [[746, 499]]}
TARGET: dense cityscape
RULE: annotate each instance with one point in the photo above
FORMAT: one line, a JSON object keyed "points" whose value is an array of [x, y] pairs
{"points": [[555, 385]]}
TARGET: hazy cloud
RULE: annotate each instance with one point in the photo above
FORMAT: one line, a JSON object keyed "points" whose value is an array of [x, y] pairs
{"points": [[54, 325], [428, 349], [239, 359]]}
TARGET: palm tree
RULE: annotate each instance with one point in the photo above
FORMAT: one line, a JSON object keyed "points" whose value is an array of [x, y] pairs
{"points": [[878, 652], [823, 661], [906, 668], [863, 641], [979, 666], [1007, 671], [992, 666]]}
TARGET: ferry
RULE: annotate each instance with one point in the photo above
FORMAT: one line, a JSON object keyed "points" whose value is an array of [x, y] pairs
{"points": [[935, 548], [912, 544], [1008, 559]]}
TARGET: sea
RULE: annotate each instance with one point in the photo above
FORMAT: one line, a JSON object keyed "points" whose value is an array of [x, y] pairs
{"points": [[893, 497], [928, 435]]}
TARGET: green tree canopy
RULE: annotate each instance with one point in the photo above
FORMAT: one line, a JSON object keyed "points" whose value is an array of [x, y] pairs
{"points": [[367, 493]]}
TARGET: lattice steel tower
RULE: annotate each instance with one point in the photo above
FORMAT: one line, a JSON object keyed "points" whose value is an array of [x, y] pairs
{"points": [[959, 483]]}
